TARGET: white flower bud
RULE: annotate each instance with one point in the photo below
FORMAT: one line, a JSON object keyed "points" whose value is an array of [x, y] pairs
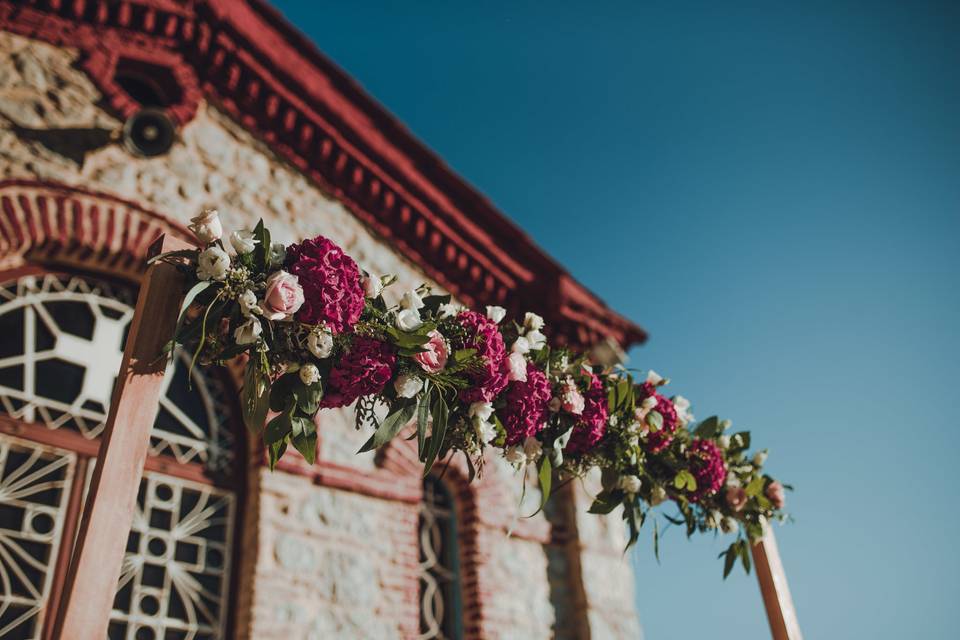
{"points": [[278, 253], [248, 303], [648, 403], [536, 339], [630, 484], [411, 300], [213, 264], [407, 385], [481, 410], [729, 524], [408, 320], [713, 519], [449, 310], [243, 241], [725, 424], [309, 374], [654, 378], [532, 322], [320, 343], [496, 313], [486, 431], [657, 495], [206, 226], [759, 458], [518, 368], [521, 346], [724, 442], [372, 286], [248, 332]]}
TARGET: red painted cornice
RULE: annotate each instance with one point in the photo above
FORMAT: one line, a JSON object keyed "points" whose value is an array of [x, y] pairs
{"points": [[243, 56]]}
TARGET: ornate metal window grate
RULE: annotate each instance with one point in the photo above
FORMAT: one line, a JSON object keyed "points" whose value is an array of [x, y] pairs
{"points": [[441, 614], [62, 346]]}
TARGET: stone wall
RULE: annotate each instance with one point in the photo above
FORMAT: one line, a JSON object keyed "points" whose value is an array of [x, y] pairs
{"points": [[318, 561]]}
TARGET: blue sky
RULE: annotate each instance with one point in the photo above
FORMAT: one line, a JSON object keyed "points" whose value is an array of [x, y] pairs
{"points": [[773, 191]]}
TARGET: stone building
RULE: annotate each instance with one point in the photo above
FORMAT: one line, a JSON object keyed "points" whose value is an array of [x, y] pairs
{"points": [[119, 119]]}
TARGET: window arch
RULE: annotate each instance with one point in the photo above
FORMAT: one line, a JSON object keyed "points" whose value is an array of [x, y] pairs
{"points": [[441, 600], [62, 342]]}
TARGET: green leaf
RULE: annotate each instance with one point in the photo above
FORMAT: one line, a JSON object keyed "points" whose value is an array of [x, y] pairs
{"points": [[278, 428], [740, 441], [755, 488], [441, 414], [423, 415], [261, 253], [731, 558], [308, 397], [745, 557], [179, 253], [390, 427], [275, 452], [545, 477], [656, 540], [305, 438], [606, 502], [283, 392], [685, 479], [256, 396], [462, 355], [709, 428]]}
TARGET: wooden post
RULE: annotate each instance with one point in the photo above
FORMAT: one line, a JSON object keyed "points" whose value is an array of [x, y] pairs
{"points": [[774, 589], [91, 582]]}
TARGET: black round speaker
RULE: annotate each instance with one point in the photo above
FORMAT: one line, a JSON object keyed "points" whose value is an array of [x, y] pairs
{"points": [[149, 132]]}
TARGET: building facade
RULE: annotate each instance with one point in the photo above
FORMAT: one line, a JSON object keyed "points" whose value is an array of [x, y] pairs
{"points": [[118, 121]]}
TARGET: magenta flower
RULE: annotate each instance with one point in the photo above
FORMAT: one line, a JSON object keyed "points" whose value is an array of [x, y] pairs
{"points": [[363, 370], [484, 336], [332, 290], [707, 466], [593, 421], [525, 413], [657, 441]]}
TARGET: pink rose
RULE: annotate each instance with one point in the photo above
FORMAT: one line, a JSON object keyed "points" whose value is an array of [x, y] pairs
{"points": [[434, 359], [775, 494], [736, 498], [284, 296]]}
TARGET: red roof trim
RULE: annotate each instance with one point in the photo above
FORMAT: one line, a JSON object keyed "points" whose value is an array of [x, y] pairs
{"points": [[245, 56]]}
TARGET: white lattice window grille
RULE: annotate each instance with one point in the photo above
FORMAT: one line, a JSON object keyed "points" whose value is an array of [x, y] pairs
{"points": [[62, 348], [441, 614], [175, 578], [34, 483]]}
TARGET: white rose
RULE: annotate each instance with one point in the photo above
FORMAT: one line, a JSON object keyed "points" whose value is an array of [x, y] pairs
{"points": [[248, 303], [206, 226], [759, 458], [243, 241], [729, 524], [725, 424], [407, 385], [496, 313], [320, 343], [278, 253], [372, 286], [518, 367], [248, 333], [654, 378], [723, 441], [449, 310], [486, 431], [532, 448], [411, 300], [482, 410], [536, 340], [309, 374], [657, 495], [213, 264], [515, 455], [630, 484], [408, 320], [532, 322], [521, 345]]}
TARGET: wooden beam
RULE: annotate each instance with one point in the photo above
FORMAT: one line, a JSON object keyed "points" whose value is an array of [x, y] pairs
{"points": [[91, 582], [774, 589]]}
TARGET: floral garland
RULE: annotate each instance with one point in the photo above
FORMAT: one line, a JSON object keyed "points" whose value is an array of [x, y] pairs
{"points": [[317, 333]]}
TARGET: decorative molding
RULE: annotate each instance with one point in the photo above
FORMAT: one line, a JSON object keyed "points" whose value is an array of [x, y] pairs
{"points": [[55, 224], [245, 57]]}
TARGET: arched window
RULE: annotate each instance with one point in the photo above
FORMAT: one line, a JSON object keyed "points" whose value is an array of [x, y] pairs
{"points": [[441, 606], [61, 348]]}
